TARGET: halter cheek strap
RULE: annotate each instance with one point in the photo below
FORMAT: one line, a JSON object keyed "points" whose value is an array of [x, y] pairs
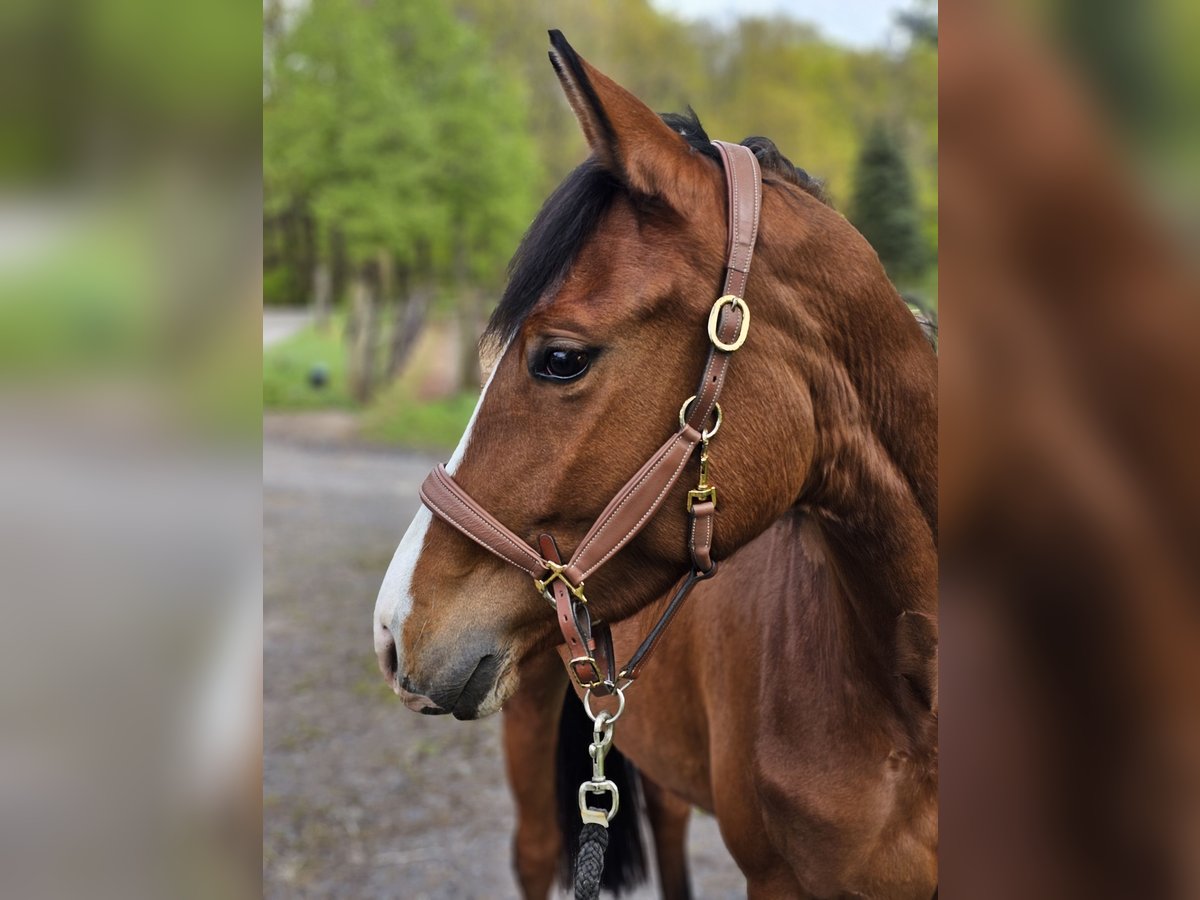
{"points": [[642, 495]]}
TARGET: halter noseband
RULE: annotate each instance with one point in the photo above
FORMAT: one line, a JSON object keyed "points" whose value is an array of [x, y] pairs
{"points": [[641, 496]]}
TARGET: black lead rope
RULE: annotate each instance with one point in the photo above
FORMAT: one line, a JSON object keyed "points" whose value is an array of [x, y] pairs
{"points": [[589, 864], [593, 838]]}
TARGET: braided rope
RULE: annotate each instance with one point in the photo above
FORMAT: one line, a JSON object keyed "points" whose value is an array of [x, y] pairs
{"points": [[589, 864]]}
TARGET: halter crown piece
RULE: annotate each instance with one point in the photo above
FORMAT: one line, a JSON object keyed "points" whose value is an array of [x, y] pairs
{"points": [[641, 496]]}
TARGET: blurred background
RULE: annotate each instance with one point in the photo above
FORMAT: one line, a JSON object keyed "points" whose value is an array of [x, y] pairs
{"points": [[130, 510]]}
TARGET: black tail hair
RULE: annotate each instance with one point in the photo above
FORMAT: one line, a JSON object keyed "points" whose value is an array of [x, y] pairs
{"points": [[625, 861]]}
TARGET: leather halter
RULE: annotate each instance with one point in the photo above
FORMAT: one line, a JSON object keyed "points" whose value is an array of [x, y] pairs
{"points": [[642, 495]]}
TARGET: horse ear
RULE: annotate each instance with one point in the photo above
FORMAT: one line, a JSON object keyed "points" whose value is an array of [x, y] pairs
{"points": [[626, 136]]}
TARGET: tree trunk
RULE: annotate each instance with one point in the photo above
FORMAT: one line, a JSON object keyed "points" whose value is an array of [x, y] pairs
{"points": [[470, 327], [361, 337], [322, 290], [414, 296], [339, 268], [470, 318], [385, 276], [408, 321], [321, 286]]}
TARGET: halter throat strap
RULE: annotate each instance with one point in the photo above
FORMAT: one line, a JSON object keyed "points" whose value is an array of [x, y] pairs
{"points": [[635, 504]]}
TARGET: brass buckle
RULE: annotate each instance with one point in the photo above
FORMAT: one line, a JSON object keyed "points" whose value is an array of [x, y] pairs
{"points": [[715, 314], [594, 680], [556, 574], [700, 495]]}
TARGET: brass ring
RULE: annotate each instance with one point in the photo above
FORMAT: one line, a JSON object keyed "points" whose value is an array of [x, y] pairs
{"points": [[715, 314], [683, 418]]}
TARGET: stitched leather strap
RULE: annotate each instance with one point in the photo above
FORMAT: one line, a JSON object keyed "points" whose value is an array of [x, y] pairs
{"points": [[700, 535], [743, 189], [582, 640], [633, 506], [626, 514], [743, 185], [453, 505]]}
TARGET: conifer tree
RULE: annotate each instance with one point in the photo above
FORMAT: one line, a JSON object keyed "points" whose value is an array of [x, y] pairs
{"points": [[883, 206]]}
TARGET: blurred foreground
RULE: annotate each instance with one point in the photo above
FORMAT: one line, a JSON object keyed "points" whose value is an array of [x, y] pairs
{"points": [[1070, 491], [130, 236]]}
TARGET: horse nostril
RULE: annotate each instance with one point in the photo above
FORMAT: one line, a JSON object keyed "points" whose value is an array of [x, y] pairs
{"points": [[385, 652], [392, 663]]}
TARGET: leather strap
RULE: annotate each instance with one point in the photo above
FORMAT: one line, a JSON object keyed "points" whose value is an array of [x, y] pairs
{"points": [[700, 535], [626, 514], [743, 186], [743, 194], [642, 495], [575, 623], [453, 505], [633, 506], [634, 667]]}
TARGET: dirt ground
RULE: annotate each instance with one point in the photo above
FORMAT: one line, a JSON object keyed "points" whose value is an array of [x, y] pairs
{"points": [[361, 798]]}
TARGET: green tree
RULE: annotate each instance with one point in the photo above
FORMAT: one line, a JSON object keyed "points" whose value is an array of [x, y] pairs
{"points": [[883, 206], [406, 142], [387, 130], [342, 141]]}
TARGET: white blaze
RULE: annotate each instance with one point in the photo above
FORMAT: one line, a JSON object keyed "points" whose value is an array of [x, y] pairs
{"points": [[395, 600]]}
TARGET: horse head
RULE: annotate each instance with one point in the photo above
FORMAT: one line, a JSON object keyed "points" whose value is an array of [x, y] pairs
{"points": [[600, 336]]}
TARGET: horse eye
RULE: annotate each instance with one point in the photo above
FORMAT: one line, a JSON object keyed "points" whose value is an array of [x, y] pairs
{"points": [[563, 364]]}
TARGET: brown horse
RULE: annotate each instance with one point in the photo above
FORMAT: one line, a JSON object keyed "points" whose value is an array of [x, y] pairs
{"points": [[796, 697]]}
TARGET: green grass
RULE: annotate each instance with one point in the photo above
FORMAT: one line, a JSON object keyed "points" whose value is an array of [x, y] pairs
{"points": [[286, 367], [82, 306], [396, 417]]}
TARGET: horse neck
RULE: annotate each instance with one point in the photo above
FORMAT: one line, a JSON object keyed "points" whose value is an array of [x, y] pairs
{"points": [[871, 485]]}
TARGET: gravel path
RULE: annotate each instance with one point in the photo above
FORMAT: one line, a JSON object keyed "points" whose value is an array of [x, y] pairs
{"points": [[361, 798]]}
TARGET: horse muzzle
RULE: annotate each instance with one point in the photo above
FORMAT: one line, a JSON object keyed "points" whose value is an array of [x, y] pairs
{"points": [[460, 686], [464, 690]]}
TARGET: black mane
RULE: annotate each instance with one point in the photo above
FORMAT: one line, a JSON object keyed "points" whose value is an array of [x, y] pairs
{"points": [[574, 210]]}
